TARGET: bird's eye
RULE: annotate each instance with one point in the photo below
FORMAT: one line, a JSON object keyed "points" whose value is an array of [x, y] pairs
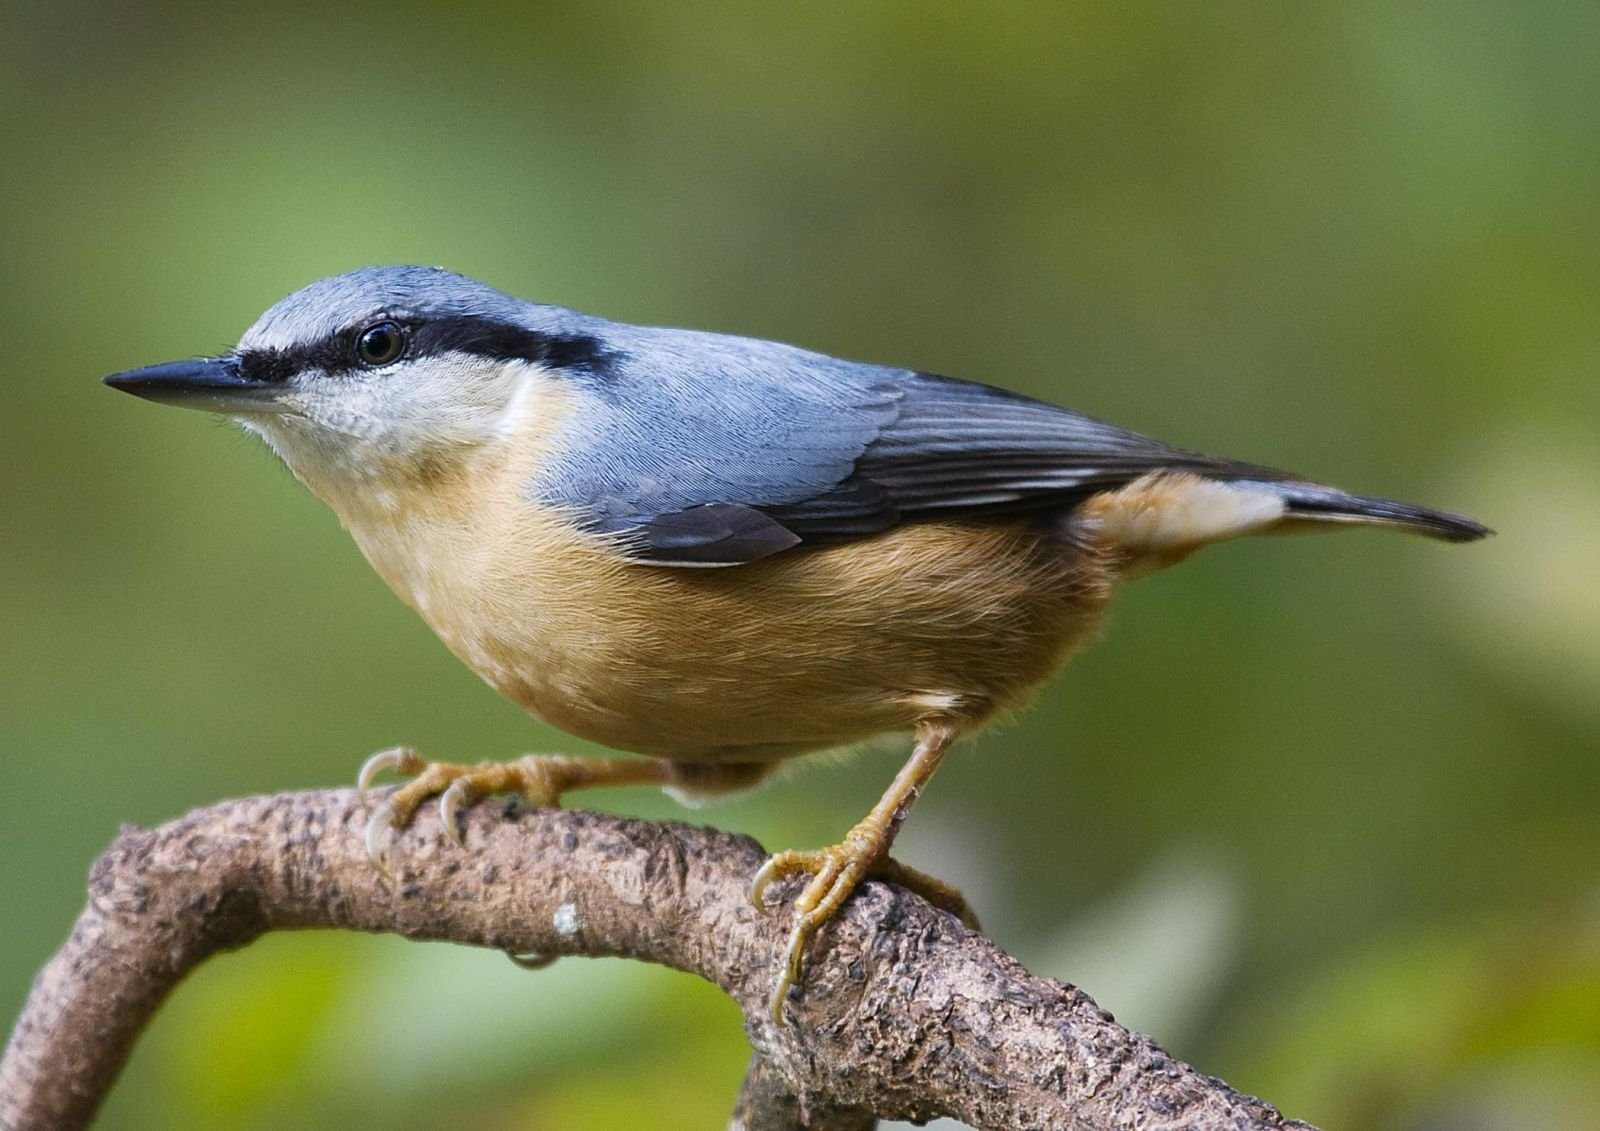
{"points": [[380, 344]]}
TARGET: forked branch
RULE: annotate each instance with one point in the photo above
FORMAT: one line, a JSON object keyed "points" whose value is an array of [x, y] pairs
{"points": [[903, 1014]]}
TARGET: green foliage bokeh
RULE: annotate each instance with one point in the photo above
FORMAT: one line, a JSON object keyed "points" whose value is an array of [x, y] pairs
{"points": [[1319, 814]]}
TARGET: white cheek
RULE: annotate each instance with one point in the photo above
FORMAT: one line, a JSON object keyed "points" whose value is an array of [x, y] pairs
{"points": [[523, 401], [354, 432], [431, 404]]}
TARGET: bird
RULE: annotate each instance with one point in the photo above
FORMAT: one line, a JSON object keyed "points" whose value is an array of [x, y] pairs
{"points": [[718, 552]]}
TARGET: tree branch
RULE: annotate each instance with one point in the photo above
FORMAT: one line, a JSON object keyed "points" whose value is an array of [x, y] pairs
{"points": [[904, 1013]]}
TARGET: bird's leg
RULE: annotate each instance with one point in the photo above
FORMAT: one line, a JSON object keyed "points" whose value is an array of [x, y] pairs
{"points": [[864, 852], [540, 778]]}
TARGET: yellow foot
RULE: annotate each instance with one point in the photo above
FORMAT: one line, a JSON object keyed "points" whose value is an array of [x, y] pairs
{"points": [[835, 871], [454, 785], [539, 778]]}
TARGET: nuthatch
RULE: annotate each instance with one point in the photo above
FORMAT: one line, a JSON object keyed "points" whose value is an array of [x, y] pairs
{"points": [[718, 552]]}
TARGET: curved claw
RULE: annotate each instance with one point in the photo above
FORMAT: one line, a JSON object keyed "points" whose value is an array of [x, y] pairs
{"points": [[764, 876], [397, 759], [834, 872], [381, 820], [792, 956], [794, 953], [458, 793]]}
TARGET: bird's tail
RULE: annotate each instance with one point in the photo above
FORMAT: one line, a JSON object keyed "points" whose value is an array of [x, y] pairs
{"points": [[1308, 505], [1165, 516]]}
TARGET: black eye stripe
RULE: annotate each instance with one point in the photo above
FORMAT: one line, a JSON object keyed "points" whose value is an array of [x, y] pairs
{"points": [[469, 334], [269, 367], [276, 366], [505, 341]]}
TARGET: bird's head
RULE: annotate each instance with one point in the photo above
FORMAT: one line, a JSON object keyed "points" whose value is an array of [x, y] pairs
{"points": [[365, 379]]}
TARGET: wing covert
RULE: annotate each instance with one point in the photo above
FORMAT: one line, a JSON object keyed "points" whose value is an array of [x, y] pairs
{"points": [[706, 450], [958, 447]]}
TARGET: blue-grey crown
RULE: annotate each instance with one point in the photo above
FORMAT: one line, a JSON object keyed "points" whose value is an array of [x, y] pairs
{"points": [[315, 327], [329, 305]]}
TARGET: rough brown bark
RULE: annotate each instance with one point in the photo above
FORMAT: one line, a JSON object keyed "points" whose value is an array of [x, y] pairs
{"points": [[904, 1013], [767, 1103]]}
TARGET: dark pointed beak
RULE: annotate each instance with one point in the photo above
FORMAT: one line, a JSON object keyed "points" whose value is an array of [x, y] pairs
{"points": [[211, 384]]}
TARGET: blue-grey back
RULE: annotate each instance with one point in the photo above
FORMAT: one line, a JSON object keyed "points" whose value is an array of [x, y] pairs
{"points": [[714, 449]]}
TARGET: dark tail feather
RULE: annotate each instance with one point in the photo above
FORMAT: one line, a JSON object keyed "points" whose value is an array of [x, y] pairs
{"points": [[1310, 503]]}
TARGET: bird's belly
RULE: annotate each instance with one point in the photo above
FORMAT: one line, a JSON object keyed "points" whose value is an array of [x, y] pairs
{"points": [[802, 651]]}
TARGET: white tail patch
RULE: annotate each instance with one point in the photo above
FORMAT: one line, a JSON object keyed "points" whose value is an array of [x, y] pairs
{"points": [[1163, 516]]}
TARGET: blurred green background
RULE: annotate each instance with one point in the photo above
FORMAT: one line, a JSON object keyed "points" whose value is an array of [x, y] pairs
{"points": [[1320, 813]]}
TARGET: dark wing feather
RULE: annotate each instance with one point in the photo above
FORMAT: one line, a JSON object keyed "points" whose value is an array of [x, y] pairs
{"points": [[700, 449], [712, 534], [958, 447]]}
